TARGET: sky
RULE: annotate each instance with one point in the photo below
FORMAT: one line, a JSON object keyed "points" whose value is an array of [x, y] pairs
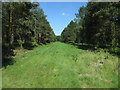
{"points": [[59, 14]]}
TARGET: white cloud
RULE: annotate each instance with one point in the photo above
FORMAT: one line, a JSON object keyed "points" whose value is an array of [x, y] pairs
{"points": [[63, 13]]}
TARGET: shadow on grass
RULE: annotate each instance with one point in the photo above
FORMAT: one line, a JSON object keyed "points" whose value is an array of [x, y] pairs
{"points": [[85, 47], [8, 54], [29, 46], [7, 57], [92, 48], [7, 61], [114, 53]]}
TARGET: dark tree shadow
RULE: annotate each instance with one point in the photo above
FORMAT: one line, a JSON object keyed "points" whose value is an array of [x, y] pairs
{"points": [[7, 61], [114, 53], [28, 46], [7, 54], [85, 47], [92, 48]]}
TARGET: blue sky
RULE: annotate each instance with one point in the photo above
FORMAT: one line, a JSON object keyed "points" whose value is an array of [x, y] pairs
{"points": [[59, 14]]}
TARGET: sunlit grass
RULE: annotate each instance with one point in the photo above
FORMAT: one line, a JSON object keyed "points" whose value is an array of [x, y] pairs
{"points": [[59, 65]]}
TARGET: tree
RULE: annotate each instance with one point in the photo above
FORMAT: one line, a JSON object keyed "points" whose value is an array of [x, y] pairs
{"points": [[69, 34]]}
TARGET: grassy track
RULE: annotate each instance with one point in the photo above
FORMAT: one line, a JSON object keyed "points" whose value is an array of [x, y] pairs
{"points": [[60, 65]]}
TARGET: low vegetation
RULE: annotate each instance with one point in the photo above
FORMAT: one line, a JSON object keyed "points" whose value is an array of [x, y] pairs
{"points": [[59, 65]]}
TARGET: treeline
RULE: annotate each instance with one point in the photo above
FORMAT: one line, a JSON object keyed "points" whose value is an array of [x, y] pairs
{"points": [[24, 25], [25, 22], [97, 24]]}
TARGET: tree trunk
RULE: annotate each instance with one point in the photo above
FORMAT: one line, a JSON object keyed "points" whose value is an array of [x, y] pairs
{"points": [[38, 38], [11, 27], [34, 36]]}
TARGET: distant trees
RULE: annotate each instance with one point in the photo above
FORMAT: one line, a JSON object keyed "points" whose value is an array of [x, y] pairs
{"points": [[97, 23], [40, 27], [58, 38], [69, 33]]}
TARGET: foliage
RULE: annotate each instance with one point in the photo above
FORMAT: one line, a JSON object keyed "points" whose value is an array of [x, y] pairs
{"points": [[101, 25]]}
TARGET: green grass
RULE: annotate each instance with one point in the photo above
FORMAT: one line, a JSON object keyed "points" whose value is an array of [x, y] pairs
{"points": [[59, 65], [0, 79]]}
